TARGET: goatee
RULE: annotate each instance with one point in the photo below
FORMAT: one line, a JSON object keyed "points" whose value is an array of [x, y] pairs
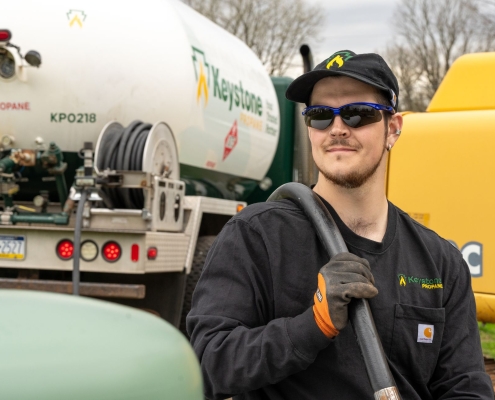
{"points": [[353, 179]]}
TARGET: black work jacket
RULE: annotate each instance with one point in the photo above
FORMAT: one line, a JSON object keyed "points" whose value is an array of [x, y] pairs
{"points": [[252, 323]]}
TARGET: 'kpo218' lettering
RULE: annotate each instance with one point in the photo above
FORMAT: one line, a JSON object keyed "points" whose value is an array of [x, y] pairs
{"points": [[73, 118]]}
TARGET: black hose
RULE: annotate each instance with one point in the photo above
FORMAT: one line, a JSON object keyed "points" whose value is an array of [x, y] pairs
{"points": [[139, 145], [124, 138], [108, 162], [122, 149], [130, 144], [110, 152], [359, 310], [127, 146], [134, 156], [77, 243], [140, 150], [105, 199]]}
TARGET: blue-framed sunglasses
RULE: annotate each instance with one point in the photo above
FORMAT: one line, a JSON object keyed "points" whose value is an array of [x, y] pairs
{"points": [[354, 115]]}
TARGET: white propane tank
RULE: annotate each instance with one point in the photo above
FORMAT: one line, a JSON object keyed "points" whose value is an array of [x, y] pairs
{"points": [[155, 60]]}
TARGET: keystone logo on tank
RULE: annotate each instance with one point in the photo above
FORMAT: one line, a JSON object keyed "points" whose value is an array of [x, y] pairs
{"points": [[233, 94]]}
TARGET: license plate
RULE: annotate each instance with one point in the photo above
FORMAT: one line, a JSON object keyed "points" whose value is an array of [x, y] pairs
{"points": [[12, 247]]}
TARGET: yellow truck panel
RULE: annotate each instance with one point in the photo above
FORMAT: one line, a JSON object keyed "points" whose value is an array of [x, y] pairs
{"points": [[440, 171], [468, 85]]}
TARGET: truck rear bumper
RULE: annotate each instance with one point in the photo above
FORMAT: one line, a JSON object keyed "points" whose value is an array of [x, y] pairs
{"points": [[41, 245]]}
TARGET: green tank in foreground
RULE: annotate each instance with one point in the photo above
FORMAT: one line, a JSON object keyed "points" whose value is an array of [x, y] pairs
{"points": [[56, 346]]}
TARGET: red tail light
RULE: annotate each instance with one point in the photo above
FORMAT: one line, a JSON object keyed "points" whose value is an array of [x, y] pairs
{"points": [[135, 252], [5, 35], [111, 251], [65, 249], [152, 253]]}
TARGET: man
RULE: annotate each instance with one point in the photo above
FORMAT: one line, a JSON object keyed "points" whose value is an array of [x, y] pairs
{"points": [[269, 315]]}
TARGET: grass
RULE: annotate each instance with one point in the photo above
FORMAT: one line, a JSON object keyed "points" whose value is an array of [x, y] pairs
{"points": [[487, 335]]}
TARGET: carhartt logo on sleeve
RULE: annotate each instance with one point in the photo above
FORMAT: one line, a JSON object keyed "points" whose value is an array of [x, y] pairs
{"points": [[425, 333], [318, 294]]}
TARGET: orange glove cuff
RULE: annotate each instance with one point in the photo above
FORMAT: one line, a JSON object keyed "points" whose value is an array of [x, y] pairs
{"points": [[321, 312]]}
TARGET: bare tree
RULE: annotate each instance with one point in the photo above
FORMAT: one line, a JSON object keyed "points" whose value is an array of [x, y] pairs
{"points": [[431, 34], [273, 29], [408, 73]]}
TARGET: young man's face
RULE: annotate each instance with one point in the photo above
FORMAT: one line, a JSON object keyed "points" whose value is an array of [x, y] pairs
{"points": [[347, 156]]}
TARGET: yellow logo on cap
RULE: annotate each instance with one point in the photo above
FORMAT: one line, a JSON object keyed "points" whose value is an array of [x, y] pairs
{"points": [[402, 280], [338, 59]]}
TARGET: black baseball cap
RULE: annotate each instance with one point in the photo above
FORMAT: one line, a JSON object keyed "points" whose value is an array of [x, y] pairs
{"points": [[368, 68]]}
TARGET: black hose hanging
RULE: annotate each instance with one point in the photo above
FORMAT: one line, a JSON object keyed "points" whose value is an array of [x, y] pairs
{"points": [[122, 149], [375, 361], [77, 242]]}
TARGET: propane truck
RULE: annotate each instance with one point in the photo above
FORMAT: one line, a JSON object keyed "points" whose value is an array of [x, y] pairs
{"points": [[124, 151]]}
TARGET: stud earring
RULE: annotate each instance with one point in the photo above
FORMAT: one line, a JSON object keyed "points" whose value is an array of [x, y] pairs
{"points": [[398, 131], [389, 147]]}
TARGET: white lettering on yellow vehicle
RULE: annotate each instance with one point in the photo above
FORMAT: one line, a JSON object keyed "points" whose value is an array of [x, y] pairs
{"points": [[472, 252]]}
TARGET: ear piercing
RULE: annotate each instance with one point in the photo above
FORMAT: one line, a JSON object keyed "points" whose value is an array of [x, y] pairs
{"points": [[398, 131], [389, 147]]}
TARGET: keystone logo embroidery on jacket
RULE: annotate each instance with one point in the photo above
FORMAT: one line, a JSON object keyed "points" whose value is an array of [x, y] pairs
{"points": [[426, 283]]}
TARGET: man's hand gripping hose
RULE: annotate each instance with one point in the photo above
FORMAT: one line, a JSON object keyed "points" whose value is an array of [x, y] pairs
{"points": [[344, 277]]}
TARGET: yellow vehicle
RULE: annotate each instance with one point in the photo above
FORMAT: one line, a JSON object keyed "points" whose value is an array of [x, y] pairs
{"points": [[440, 172]]}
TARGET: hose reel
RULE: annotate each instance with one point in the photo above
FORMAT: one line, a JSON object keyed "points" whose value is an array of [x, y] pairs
{"points": [[138, 147]]}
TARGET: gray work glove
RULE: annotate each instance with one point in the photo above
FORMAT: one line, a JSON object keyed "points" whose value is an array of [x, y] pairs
{"points": [[345, 276]]}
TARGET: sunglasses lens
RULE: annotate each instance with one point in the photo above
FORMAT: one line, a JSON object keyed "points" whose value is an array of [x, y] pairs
{"points": [[360, 115], [319, 118]]}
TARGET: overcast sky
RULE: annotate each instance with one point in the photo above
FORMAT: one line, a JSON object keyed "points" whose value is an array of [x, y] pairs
{"points": [[362, 26]]}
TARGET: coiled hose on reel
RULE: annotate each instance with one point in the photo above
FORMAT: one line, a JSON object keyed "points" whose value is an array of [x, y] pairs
{"points": [[122, 149]]}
